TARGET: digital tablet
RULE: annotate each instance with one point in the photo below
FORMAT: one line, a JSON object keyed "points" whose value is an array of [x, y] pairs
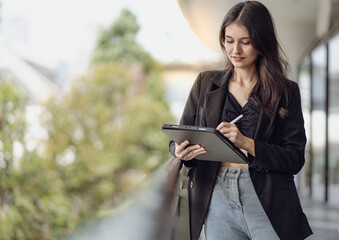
{"points": [[218, 147]]}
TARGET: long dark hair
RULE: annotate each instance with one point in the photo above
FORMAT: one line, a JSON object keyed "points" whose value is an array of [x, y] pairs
{"points": [[271, 63]]}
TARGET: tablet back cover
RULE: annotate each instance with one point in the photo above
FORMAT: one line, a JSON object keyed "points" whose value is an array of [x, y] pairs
{"points": [[218, 147]]}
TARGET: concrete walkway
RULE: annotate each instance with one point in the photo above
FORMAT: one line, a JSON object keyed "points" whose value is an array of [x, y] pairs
{"points": [[324, 220]]}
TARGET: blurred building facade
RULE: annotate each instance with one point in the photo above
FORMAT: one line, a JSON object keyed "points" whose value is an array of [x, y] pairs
{"points": [[318, 77], [308, 31]]}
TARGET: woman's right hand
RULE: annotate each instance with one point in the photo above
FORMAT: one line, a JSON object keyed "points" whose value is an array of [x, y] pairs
{"points": [[186, 153]]}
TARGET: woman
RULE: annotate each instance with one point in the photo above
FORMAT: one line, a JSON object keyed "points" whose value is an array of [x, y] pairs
{"points": [[257, 200]]}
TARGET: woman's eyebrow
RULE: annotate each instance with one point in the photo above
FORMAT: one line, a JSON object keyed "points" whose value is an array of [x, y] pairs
{"points": [[240, 38]]}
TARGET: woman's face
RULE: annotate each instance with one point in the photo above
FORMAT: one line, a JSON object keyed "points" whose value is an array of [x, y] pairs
{"points": [[239, 48]]}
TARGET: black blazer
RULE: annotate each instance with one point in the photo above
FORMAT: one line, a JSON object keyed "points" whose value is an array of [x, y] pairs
{"points": [[279, 154]]}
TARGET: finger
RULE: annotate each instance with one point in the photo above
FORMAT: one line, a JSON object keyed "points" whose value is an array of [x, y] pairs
{"points": [[186, 153], [182, 145], [198, 152], [192, 154], [229, 127], [189, 149], [226, 130], [220, 126], [225, 125], [180, 149], [223, 130]]}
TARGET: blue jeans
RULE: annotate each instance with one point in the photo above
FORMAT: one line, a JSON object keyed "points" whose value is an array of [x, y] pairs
{"points": [[235, 212]]}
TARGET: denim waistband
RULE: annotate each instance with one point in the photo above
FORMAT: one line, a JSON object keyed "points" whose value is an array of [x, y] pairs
{"points": [[233, 173]]}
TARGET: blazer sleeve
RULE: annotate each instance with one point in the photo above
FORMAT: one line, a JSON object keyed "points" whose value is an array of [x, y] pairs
{"points": [[287, 152], [189, 115]]}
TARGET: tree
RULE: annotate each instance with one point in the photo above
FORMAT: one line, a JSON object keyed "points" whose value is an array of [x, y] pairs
{"points": [[12, 128], [104, 134], [118, 44], [104, 138]]}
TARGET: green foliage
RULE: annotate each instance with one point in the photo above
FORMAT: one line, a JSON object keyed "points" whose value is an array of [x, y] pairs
{"points": [[118, 44], [12, 129], [12, 125], [33, 204], [39, 208], [103, 139]]}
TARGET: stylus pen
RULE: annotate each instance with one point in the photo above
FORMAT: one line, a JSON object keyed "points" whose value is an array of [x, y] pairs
{"points": [[237, 118]]}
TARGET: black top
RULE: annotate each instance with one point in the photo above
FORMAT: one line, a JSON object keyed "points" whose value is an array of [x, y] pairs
{"points": [[232, 109]]}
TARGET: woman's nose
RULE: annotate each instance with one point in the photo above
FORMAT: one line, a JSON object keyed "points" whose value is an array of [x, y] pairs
{"points": [[236, 48]]}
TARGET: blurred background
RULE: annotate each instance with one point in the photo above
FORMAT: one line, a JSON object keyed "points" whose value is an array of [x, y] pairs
{"points": [[86, 85]]}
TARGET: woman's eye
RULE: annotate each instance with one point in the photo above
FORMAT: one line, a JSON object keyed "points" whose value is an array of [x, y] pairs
{"points": [[246, 43], [230, 41]]}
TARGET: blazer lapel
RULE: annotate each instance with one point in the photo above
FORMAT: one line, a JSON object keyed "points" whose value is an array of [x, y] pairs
{"points": [[213, 106], [215, 99], [265, 123]]}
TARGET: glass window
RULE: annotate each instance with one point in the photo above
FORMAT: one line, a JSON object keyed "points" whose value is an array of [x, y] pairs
{"points": [[304, 80], [318, 118], [333, 120]]}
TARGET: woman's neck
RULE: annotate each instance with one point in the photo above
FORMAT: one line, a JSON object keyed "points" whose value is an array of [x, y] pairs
{"points": [[245, 76]]}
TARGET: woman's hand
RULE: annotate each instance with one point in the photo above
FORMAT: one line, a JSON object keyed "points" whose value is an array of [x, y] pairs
{"points": [[231, 131], [186, 153]]}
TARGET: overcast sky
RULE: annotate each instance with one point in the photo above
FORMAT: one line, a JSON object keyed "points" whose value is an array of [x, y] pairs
{"points": [[54, 32]]}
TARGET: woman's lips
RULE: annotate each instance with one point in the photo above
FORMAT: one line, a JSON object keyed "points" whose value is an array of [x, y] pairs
{"points": [[238, 59]]}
